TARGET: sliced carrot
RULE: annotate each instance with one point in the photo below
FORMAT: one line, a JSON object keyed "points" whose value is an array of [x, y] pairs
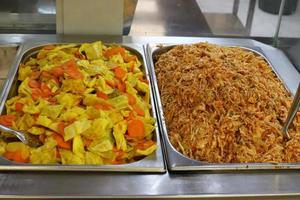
{"points": [[36, 93], [79, 55], [138, 110], [61, 142], [57, 154], [111, 83], [61, 128], [46, 91], [34, 83], [131, 99], [57, 71], [49, 47], [19, 107], [121, 86], [136, 128], [143, 80], [103, 106], [42, 138], [131, 69], [145, 144], [35, 75], [7, 120], [129, 58], [71, 68], [46, 74], [119, 73], [102, 95], [17, 156], [114, 51]]}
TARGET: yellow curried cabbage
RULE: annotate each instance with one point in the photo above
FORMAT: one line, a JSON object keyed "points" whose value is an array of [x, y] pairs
{"points": [[88, 104]]}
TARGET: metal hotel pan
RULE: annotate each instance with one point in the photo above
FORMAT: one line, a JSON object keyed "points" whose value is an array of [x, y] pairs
{"points": [[151, 163], [179, 162]]}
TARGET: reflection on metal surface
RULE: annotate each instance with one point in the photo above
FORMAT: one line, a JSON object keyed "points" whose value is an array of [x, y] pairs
{"points": [[129, 10], [22, 16], [7, 54], [169, 17], [225, 24]]}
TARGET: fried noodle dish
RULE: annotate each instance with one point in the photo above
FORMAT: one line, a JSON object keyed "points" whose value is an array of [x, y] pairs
{"points": [[88, 104], [225, 105]]}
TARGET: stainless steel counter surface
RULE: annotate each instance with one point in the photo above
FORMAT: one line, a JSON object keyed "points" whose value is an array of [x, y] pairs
{"points": [[206, 184]]}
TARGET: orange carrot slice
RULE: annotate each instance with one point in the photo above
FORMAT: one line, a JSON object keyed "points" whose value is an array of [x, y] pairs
{"points": [[16, 156], [114, 51], [102, 95], [7, 120], [121, 86], [103, 106], [111, 83], [129, 58], [36, 93], [61, 142], [144, 144], [136, 128], [34, 84], [71, 68], [131, 99], [138, 110], [119, 73], [19, 107], [46, 91], [61, 128], [35, 75], [57, 71]]}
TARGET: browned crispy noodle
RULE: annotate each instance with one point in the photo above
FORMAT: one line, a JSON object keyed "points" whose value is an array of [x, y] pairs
{"points": [[225, 105]]}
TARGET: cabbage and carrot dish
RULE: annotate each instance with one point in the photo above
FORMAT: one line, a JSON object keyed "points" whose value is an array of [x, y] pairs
{"points": [[88, 104]]}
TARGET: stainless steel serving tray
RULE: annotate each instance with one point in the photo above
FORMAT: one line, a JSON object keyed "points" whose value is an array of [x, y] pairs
{"points": [[177, 161], [151, 163]]}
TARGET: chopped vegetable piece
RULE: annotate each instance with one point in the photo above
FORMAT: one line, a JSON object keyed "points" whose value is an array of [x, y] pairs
{"points": [[129, 58], [16, 156], [7, 120], [49, 47], [136, 129], [138, 110], [119, 73], [71, 68], [33, 83], [113, 51], [17, 151], [61, 128], [131, 99], [57, 71], [19, 107], [102, 95], [121, 86], [60, 141]]}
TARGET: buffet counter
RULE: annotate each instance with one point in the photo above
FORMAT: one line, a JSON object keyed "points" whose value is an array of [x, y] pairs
{"points": [[207, 183]]}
